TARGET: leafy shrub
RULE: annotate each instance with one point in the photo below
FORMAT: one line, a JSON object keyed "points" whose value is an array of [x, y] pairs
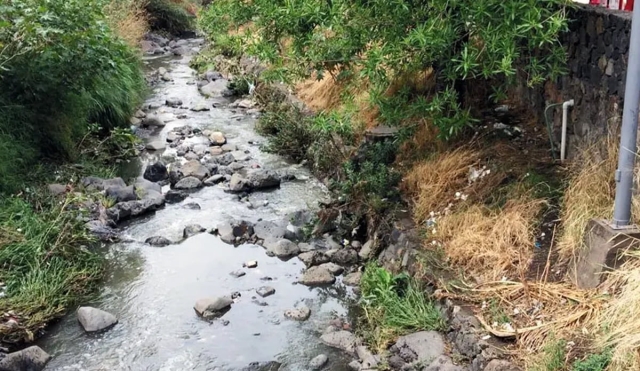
{"points": [[594, 362], [61, 69], [169, 16]]}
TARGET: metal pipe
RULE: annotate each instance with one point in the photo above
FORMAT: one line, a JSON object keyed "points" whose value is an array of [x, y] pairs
{"points": [[629, 132], [565, 118]]}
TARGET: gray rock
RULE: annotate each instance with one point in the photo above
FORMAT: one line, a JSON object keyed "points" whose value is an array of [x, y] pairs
{"points": [[213, 307], [230, 231], [200, 107], [267, 366], [355, 365], [283, 249], [93, 319], [57, 189], [367, 359], [155, 145], [214, 180], [189, 183], [125, 210], [265, 291], [190, 156], [251, 264], [237, 183], [500, 365], [229, 147], [318, 362], [315, 276], [343, 340], [312, 258], [334, 268], [240, 156], [158, 241], [298, 314], [152, 120], [237, 274], [444, 363], [99, 184], [29, 359], [345, 257], [121, 194], [145, 185], [173, 102], [195, 169], [200, 149], [173, 137], [421, 347], [236, 166], [306, 247], [268, 230], [102, 231], [179, 50], [217, 88], [212, 75], [225, 159], [192, 206], [139, 114], [174, 196], [192, 230], [366, 250], [216, 138], [262, 179], [352, 279]]}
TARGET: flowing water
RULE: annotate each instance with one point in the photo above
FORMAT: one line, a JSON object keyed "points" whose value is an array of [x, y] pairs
{"points": [[152, 290]]}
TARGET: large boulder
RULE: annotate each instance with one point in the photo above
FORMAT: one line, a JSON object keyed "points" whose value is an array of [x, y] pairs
{"points": [[125, 210], [195, 169], [213, 307], [316, 276], [94, 319], [261, 179], [189, 182], [121, 194], [156, 172], [29, 359]]}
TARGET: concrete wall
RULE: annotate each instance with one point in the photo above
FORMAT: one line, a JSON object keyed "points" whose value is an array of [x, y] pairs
{"points": [[597, 46]]}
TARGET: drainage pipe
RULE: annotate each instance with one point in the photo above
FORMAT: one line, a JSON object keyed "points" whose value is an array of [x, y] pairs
{"points": [[565, 118], [629, 131]]}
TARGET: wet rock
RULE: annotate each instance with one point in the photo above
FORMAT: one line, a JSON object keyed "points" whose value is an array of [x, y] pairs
{"points": [[250, 264], [231, 231], [367, 359], [355, 365], [420, 347], [229, 147], [236, 166], [179, 50], [192, 230], [125, 210], [267, 366], [29, 359], [195, 169], [299, 314], [444, 363], [215, 151], [265, 291], [94, 319], [102, 231], [216, 138], [209, 308], [237, 274], [144, 185], [334, 268], [173, 102], [140, 114], [155, 145], [200, 149], [93, 183], [152, 120], [306, 247], [200, 107], [237, 183], [158, 241], [240, 156], [345, 257], [214, 180], [318, 362], [312, 258], [192, 206], [189, 183], [246, 103], [366, 250], [315, 276], [56, 189], [175, 174], [263, 179], [173, 137], [283, 249], [212, 75], [501, 365], [121, 194], [190, 156], [225, 159], [352, 279], [343, 340], [174, 196], [396, 362], [217, 88]]}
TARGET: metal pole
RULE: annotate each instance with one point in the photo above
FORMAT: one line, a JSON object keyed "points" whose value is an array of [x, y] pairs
{"points": [[628, 135]]}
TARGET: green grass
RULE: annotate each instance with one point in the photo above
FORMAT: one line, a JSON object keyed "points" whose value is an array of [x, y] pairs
{"points": [[394, 305], [553, 357], [45, 262], [594, 362]]}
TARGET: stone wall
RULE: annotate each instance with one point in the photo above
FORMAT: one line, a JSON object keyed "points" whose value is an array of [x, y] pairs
{"points": [[597, 50]]}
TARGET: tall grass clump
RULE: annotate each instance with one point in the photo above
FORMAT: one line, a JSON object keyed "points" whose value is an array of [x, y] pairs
{"points": [[61, 69], [44, 269], [128, 19], [171, 16], [394, 305]]}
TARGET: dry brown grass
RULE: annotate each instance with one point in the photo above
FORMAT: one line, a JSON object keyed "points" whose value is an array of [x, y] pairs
{"points": [[128, 19], [432, 183], [320, 95], [491, 244]]}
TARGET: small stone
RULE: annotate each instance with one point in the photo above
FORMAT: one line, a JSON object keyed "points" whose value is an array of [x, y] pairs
{"points": [[155, 145], [189, 183], [158, 241], [265, 291], [200, 107], [317, 276], [173, 102], [212, 307], [352, 279], [156, 172], [192, 230], [312, 258], [251, 264], [299, 314], [214, 180], [355, 365], [318, 362], [153, 121], [237, 274], [343, 340], [192, 206], [229, 147], [217, 138], [94, 319], [284, 249], [366, 250], [215, 151]]}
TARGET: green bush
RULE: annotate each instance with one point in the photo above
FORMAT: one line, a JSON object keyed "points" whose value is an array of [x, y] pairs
{"points": [[61, 69], [594, 362], [169, 16]]}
